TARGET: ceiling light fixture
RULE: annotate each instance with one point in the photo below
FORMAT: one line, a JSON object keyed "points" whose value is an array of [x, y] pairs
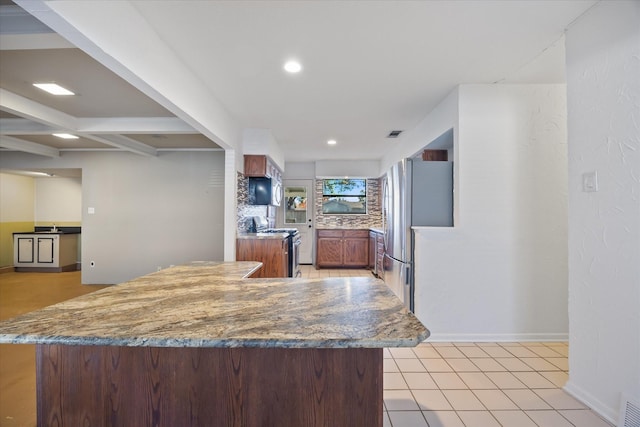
{"points": [[292, 67], [65, 136], [332, 142], [53, 89]]}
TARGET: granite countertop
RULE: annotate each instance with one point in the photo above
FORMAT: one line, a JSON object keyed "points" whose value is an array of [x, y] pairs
{"points": [[278, 236], [46, 232], [209, 304]]}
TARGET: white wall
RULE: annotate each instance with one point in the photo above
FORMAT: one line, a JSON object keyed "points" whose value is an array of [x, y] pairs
{"points": [[603, 92], [501, 272], [58, 199], [149, 211], [299, 170], [350, 168], [17, 198]]}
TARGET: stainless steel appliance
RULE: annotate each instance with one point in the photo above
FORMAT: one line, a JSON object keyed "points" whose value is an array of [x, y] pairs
{"points": [[414, 193], [293, 242], [264, 191]]}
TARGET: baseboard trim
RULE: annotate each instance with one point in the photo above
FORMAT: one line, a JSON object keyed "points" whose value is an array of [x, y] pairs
{"points": [[8, 269], [539, 337], [606, 412]]}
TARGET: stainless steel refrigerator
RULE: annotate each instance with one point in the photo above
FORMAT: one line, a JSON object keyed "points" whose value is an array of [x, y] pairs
{"points": [[414, 193]]}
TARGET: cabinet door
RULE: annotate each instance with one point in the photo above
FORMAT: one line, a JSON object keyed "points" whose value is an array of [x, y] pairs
{"points": [[329, 252], [372, 250], [272, 253], [356, 251], [46, 253], [25, 253], [255, 165]]}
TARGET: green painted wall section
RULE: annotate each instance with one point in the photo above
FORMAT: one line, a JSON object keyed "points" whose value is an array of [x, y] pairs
{"points": [[6, 239]]}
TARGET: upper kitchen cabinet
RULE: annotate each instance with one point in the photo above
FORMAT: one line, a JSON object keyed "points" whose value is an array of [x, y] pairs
{"points": [[259, 166], [265, 180]]}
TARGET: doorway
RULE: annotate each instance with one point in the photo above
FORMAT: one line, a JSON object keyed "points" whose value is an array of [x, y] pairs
{"points": [[298, 213]]}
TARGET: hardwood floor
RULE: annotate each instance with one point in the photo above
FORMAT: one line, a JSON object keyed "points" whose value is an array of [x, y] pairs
{"points": [[22, 293]]}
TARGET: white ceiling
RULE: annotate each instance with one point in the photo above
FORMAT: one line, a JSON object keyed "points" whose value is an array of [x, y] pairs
{"points": [[369, 67]]}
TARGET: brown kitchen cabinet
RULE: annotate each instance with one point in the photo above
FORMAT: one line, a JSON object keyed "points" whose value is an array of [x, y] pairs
{"points": [[272, 253], [372, 250], [342, 248], [261, 166]]}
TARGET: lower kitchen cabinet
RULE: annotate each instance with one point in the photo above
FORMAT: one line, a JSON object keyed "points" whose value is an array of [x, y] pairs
{"points": [[272, 253], [48, 252], [342, 248]]}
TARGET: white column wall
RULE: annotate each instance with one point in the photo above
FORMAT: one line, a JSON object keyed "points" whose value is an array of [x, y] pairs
{"points": [[501, 272], [603, 93]]}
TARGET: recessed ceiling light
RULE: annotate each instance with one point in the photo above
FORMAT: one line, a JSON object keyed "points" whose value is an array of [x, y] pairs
{"points": [[292, 67], [53, 88], [332, 142], [65, 136]]}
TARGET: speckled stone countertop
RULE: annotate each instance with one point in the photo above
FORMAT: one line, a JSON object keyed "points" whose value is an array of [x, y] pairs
{"points": [[209, 304], [279, 236]]}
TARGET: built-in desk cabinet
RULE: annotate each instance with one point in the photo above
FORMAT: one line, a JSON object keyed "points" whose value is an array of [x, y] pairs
{"points": [[53, 252], [342, 248]]}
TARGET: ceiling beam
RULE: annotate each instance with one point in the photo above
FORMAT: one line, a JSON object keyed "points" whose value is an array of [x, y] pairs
{"points": [[24, 107], [25, 127], [125, 143], [11, 143], [113, 125], [135, 125], [42, 114]]}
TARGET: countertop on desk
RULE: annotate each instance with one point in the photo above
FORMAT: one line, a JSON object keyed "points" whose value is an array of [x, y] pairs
{"points": [[210, 305]]}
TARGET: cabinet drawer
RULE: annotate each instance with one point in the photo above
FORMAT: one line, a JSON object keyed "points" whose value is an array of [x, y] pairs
{"points": [[356, 233], [330, 233]]}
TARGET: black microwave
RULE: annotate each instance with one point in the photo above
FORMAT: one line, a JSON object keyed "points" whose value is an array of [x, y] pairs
{"points": [[264, 191]]}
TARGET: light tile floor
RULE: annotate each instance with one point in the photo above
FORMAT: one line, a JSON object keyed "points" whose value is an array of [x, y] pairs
{"points": [[481, 384]]}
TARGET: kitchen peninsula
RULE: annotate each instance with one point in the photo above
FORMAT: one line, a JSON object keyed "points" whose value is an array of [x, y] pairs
{"points": [[201, 345]]}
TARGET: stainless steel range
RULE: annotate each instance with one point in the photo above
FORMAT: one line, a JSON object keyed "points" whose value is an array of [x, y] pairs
{"points": [[260, 225]]}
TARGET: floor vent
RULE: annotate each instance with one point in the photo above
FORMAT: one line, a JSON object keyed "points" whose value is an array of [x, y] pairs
{"points": [[629, 413]]}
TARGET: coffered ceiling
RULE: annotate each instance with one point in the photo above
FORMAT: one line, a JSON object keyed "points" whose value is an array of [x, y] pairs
{"points": [[369, 67]]}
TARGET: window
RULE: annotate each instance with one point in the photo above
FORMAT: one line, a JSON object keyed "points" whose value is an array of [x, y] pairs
{"points": [[344, 196]]}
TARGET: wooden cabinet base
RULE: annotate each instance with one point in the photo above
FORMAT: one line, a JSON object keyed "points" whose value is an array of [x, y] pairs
{"points": [[147, 386]]}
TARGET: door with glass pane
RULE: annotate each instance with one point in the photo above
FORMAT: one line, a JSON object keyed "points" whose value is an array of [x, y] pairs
{"points": [[298, 213]]}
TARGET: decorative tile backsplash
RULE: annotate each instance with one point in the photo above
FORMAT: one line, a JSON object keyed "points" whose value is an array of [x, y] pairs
{"points": [[245, 210], [373, 218]]}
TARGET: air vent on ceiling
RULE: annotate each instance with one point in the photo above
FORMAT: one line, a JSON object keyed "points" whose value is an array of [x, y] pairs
{"points": [[629, 413], [394, 134]]}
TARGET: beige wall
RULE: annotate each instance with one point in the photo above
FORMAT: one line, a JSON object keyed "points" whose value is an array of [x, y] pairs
{"points": [[16, 211]]}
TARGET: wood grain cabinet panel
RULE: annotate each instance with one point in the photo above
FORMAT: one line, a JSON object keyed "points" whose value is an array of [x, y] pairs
{"points": [[272, 253], [342, 248], [255, 165], [261, 166], [212, 387]]}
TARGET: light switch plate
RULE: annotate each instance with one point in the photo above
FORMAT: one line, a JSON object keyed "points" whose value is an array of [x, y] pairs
{"points": [[91, 211], [590, 182]]}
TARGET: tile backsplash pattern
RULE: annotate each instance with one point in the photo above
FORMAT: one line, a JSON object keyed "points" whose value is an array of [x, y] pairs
{"points": [[373, 218], [245, 210]]}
